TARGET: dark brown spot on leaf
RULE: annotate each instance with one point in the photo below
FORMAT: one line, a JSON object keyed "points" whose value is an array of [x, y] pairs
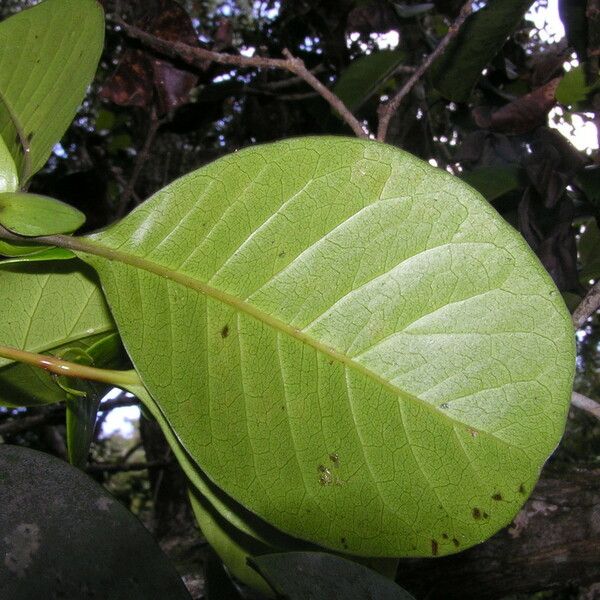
{"points": [[434, 547], [476, 513], [522, 489], [486, 516], [225, 331], [445, 536], [455, 542], [497, 497]]}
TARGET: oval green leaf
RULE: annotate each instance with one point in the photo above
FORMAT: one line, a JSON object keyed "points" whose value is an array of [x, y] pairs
{"points": [[349, 342], [44, 307], [48, 57]]}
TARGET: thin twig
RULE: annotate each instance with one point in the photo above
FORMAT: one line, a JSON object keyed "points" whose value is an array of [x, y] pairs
{"points": [[588, 306], [587, 404], [140, 161], [386, 111], [200, 58], [297, 66], [124, 467], [19, 424]]}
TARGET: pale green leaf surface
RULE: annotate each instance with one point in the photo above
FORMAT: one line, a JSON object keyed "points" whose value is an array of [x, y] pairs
{"points": [[9, 180], [349, 342], [42, 308], [48, 57]]}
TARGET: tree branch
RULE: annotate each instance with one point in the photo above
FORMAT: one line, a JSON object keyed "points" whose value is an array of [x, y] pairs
{"points": [[587, 404], [588, 306], [140, 160], [386, 111], [200, 58], [125, 466]]}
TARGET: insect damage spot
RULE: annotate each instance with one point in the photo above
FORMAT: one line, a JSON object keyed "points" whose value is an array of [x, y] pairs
{"points": [[325, 476], [225, 331], [21, 545], [434, 547], [335, 459], [476, 513]]}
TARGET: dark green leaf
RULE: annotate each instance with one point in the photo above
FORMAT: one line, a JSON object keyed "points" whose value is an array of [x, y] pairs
{"points": [[322, 576], [493, 182], [589, 253], [456, 72], [407, 11], [63, 536], [365, 75]]}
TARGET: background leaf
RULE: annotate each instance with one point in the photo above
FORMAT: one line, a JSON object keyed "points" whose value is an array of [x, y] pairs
{"points": [[312, 575], [493, 181], [46, 307], [111, 556], [459, 68], [338, 358], [365, 75], [48, 57]]}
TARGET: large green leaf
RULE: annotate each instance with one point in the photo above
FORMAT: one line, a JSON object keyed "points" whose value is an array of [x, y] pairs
{"points": [[365, 75], [63, 536], [459, 68], [48, 57], [349, 342], [44, 307]]}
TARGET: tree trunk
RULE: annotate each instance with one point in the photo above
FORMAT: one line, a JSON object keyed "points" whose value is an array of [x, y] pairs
{"points": [[554, 542]]}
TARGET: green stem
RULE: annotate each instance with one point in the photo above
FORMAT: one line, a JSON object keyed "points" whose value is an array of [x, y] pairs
{"points": [[70, 369]]}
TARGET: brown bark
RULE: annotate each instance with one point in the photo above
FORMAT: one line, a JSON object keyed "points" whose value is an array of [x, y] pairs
{"points": [[554, 542]]}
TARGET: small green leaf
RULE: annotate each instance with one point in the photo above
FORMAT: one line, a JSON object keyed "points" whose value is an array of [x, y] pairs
{"points": [[233, 547], [63, 536], [43, 255], [365, 75], [9, 179], [82, 407], [32, 215], [307, 575], [45, 307], [48, 57], [572, 88], [319, 338], [459, 68]]}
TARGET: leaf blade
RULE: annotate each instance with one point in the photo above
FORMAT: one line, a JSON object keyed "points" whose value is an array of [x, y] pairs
{"points": [[310, 363]]}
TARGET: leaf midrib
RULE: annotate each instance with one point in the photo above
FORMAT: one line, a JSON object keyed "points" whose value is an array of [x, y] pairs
{"points": [[88, 246]]}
